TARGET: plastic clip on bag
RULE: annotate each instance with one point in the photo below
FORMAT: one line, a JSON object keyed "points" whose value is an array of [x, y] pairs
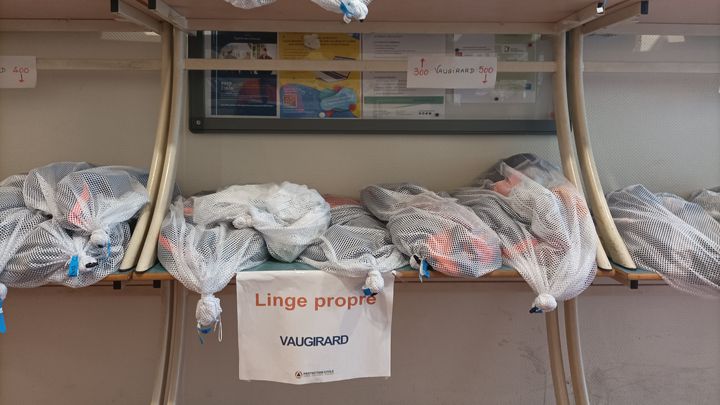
{"points": [[355, 245], [289, 216], [674, 238], [350, 9], [204, 259], [94, 200], [547, 234], [434, 229]]}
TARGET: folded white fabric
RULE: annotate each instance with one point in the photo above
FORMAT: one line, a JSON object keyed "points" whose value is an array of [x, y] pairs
{"points": [[40, 186], [710, 201], [11, 192], [677, 239], [289, 216], [355, 245], [434, 229], [545, 227], [205, 258]]}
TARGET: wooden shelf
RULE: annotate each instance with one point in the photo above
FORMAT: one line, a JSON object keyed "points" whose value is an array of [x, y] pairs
{"points": [[404, 274], [462, 16], [632, 278]]}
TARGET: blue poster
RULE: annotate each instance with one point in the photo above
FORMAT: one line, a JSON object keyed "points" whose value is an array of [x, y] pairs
{"points": [[244, 92]]}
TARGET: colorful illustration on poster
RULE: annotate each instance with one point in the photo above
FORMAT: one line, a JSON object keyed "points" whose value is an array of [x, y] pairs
{"points": [[320, 94], [244, 92]]}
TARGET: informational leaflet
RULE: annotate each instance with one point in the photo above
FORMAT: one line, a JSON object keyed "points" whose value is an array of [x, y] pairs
{"points": [[309, 326], [510, 87], [243, 92], [320, 94], [385, 94]]}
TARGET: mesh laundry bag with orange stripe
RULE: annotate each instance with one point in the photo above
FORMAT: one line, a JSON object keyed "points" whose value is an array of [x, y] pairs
{"points": [[677, 239], [289, 216], [434, 229], [41, 183], [51, 254], [205, 258], [15, 225], [92, 201], [356, 245], [11, 194], [544, 226], [709, 200]]}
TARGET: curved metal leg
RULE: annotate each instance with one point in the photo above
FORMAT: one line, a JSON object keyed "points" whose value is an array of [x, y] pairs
{"points": [[562, 122], [168, 303], [172, 380], [161, 133], [606, 227], [557, 368], [577, 370], [167, 183]]}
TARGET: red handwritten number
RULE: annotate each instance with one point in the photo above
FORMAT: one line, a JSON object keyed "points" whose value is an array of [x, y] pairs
{"points": [[21, 69], [486, 70], [420, 72]]}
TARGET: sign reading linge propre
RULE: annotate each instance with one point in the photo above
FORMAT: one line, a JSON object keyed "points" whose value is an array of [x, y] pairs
{"points": [[302, 327], [450, 72], [17, 72]]}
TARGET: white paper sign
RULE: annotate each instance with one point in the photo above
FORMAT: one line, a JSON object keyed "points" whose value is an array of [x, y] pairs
{"points": [[17, 72], [301, 327], [449, 72]]}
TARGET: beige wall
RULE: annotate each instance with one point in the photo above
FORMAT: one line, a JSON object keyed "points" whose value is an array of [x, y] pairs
{"points": [[455, 344]]}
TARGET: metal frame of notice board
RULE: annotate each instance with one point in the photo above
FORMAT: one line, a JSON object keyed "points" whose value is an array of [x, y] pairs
{"points": [[200, 122]]}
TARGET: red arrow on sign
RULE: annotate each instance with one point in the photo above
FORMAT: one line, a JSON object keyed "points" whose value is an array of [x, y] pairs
{"points": [[21, 78], [485, 78], [422, 62]]}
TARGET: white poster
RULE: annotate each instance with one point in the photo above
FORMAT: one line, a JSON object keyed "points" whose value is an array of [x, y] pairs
{"points": [[450, 72], [385, 94], [18, 72], [308, 326]]}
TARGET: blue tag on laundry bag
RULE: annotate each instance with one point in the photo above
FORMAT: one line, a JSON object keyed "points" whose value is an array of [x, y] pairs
{"points": [[74, 266], [424, 271], [3, 328]]}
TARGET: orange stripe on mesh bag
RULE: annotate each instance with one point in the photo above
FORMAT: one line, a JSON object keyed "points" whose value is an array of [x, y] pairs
{"points": [[336, 201], [75, 216]]}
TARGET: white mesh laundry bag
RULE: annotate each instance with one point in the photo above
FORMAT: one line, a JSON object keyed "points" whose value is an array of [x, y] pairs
{"points": [[94, 200], [547, 234], [205, 259], [289, 216], [709, 200], [435, 230], [350, 9], [15, 225], [355, 245], [678, 240], [11, 192], [248, 4], [41, 185], [51, 254]]}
